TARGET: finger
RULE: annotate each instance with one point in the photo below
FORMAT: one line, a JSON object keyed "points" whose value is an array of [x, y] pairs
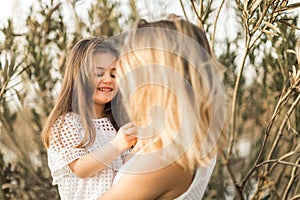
{"points": [[134, 142], [131, 137], [131, 131], [127, 126]]}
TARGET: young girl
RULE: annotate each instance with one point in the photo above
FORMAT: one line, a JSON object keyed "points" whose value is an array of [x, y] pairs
{"points": [[80, 134], [172, 89]]}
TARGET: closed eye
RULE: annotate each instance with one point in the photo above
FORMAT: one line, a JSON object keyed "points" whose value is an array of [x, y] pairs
{"points": [[99, 75]]}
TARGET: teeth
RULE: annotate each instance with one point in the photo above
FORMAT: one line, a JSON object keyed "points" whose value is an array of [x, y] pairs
{"points": [[105, 89]]}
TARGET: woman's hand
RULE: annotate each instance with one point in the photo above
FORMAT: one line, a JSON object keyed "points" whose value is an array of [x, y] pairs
{"points": [[126, 137]]}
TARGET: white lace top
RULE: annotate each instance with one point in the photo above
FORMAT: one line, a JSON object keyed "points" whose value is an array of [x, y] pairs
{"points": [[61, 152], [200, 182], [196, 189]]}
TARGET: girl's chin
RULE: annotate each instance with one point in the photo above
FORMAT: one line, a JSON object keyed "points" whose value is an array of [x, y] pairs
{"points": [[103, 99]]}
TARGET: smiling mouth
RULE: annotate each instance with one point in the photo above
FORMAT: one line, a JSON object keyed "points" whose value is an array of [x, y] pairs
{"points": [[105, 89]]}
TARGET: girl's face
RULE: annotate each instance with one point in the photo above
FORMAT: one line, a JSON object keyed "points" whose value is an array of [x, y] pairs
{"points": [[104, 79]]}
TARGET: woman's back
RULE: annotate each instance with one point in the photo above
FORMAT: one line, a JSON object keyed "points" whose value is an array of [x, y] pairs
{"points": [[167, 181]]}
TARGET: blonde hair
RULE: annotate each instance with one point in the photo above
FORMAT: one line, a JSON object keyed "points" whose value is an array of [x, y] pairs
{"points": [[77, 88], [173, 89]]}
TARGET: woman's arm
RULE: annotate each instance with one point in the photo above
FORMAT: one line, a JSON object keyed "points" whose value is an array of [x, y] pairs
{"points": [[91, 163]]}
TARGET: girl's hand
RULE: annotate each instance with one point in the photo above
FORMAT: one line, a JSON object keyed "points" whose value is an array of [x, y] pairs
{"points": [[126, 137]]}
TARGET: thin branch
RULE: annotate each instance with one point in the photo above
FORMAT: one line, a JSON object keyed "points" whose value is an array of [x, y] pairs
{"points": [[232, 131], [282, 126], [255, 39], [258, 25], [295, 197], [215, 24], [200, 8], [183, 9], [279, 162], [292, 180], [289, 7], [280, 104], [206, 12], [282, 158], [259, 21], [231, 174], [282, 100], [297, 187], [196, 12], [288, 24], [254, 167], [232, 134], [235, 93], [3, 88]]}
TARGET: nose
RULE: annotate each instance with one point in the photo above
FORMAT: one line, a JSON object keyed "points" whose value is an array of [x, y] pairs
{"points": [[106, 78]]}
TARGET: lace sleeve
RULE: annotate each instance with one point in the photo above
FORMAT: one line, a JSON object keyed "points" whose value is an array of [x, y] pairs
{"points": [[63, 142]]}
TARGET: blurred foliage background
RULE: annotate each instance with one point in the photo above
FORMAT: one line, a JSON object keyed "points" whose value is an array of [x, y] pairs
{"points": [[255, 40]]}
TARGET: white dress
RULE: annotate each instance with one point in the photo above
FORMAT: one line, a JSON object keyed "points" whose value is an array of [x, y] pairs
{"points": [[196, 189], [61, 152]]}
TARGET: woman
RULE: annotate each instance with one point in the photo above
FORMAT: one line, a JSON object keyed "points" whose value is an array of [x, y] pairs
{"points": [[172, 89]]}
